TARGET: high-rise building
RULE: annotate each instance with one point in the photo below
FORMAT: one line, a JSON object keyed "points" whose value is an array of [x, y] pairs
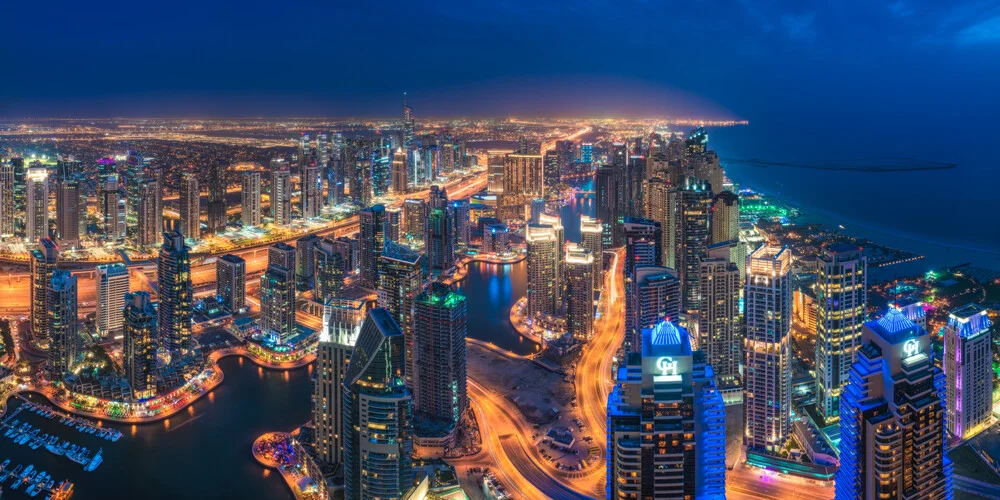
{"points": [[725, 217], [216, 205], [690, 233], [133, 174], [281, 197], [282, 254], [496, 239], [659, 209], [312, 192], [139, 346], [552, 172], [112, 286], [543, 251], [20, 195], [400, 181], [586, 153], [277, 303], [892, 418], [329, 272], [579, 279], [653, 295], [559, 233], [440, 326], [459, 212], [591, 238], [841, 298], [176, 306], [440, 240], [395, 227], [250, 200], [112, 208], [43, 263], [377, 413], [400, 280], [37, 211], [231, 283], [71, 212], [768, 372], [719, 325], [523, 179], [643, 240], [62, 300], [607, 182], [370, 243], [666, 422], [415, 219], [190, 206], [968, 367], [7, 214], [342, 319], [305, 261], [150, 216]]}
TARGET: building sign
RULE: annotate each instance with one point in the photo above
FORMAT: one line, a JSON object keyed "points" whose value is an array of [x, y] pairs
{"points": [[667, 370], [911, 348]]}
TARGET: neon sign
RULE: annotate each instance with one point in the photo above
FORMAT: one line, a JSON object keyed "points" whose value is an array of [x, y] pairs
{"points": [[911, 347], [666, 366]]}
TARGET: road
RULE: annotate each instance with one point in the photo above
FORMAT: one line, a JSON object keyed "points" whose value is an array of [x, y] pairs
{"points": [[749, 482]]}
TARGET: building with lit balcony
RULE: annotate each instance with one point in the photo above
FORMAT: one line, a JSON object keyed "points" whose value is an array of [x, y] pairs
{"points": [[231, 283], [654, 295], [841, 299], [401, 278], [176, 307], [342, 320], [968, 368], [579, 266]]}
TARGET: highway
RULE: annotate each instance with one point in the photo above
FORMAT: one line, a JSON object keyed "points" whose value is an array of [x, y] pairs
{"points": [[749, 482]]}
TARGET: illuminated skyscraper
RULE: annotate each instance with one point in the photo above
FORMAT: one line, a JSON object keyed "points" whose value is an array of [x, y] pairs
{"points": [[440, 241], [666, 422], [7, 214], [607, 187], [190, 207], [400, 280], [523, 180], [395, 225], [281, 197], [659, 209], [377, 414], [112, 208], [139, 346], [371, 241], [43, 263], [400, 180], [591, 238], [37, 212], [841, 297], [71, 212], [415, 219], [719, 317], [176, 296], [231, 283], [150, 213], [892, 418], [329, 272], [459, 211], [342, 320], [725, 217], [586, 152], [543, 250], [968, 366], [250, 200], [440, 326], [216, 206], [312, 192], [112, 286], [305, 261], [62, 300], [277, 303], [579, 279], [768, 372], [643, 240], [691, 207], [654, 295], [559, 232]]}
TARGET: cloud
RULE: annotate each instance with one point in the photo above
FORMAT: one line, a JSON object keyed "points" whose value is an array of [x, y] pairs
{"points": [[986, 32]]}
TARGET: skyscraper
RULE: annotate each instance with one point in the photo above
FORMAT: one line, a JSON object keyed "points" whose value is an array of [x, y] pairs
{"points": [[579, 279], [176, 296], [305, 261], [968, 367], [659, 209], [150, 216], [282, 254], [440, 326], [666, 422], [312, 192], [440, 244], [400, 181], [523, 180], [277, 303], [342, 319], [691, 210], [543, 250], [190, 206], [415, 219], [768, 372], [719, 317], [62, 300], [216, 206], [559, 232], [725, 217], [459, 211], [591, 238], [250, 200], [139, 349], [378, 442], [841, 297], [606, 190], [7, 213], [395, 227], [654, 295], [329, 272], [112, 286], [643, 240], [400, 280], [370, 244], [112, 208], [231, 278], [37, 211], [43, 263], [71, 212], [281, 196], [892, 419]]}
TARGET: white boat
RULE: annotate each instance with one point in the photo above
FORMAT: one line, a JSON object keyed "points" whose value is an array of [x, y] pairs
{"points": [[54, 449], [94, 462], [27, 471]]}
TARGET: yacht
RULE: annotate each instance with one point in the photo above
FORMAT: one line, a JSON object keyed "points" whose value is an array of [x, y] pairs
{"points": [[94, 462]]}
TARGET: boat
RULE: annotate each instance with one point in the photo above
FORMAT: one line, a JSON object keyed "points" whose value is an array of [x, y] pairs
{"points": [[54, 449], [27, 471], [31, 491], [77, 457], [5, 464], [94, 462], [49, 484]]}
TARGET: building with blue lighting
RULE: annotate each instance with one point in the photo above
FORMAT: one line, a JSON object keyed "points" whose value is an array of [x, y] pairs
{"points": [[892, 416], [666, 422], [968, 368]]}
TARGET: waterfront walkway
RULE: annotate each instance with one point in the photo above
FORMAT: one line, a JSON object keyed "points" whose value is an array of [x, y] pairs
{"points": [[281, 451]]}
